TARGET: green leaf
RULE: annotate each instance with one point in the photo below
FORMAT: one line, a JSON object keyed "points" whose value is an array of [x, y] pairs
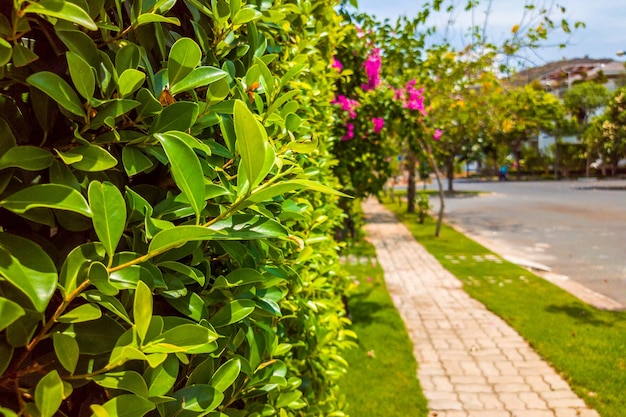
{"points": [[292, 185], [94, 158], [54, 196], [162, 378], [178, 236], [135, 161], [113, 108], [109, 213], [142, 309], [67, 351], [268, 79], [181, 338], [251, 140], [76, 265], [23, 56], [248, 227], [184, 56], [126, 380], [149, 104], [86, 312], [49, 394], [81, 44], [186, 169], [245, 15], [82, 75], [146, 18], [177, 116], [25, 265], [63, 10], [199, 398], [128, 57], [226, 375], [281, 100], [5, 52], [110, 303], [45, 109], [198, 77], [232, 312], [30, 158], [58, 89], [9, 312], [128, 405], [130, 81]]}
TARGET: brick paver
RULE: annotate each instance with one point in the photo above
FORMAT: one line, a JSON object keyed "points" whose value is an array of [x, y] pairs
{"points": [[471, 363]]}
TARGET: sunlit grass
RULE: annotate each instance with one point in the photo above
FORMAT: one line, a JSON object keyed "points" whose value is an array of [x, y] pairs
{"points": [[381, 380]]}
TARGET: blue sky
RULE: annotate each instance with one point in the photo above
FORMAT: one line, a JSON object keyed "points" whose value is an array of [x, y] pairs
{"points": [[604, 35]]}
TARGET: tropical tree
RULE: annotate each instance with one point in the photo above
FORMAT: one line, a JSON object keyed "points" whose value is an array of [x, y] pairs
{"points": [[582, 101], [607, 133]]}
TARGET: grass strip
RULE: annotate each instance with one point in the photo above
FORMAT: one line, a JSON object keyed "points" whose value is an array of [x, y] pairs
{"points": [[382, 378], [586, 345]]}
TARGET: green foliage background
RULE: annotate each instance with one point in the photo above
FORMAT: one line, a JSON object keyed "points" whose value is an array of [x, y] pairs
{"points": [[166, 212]]}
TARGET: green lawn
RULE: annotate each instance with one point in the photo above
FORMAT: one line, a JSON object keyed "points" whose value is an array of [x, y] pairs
{"points": [[587, 345], [381, 380]]}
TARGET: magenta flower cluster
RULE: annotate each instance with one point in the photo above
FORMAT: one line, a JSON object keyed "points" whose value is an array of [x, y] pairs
{"points": [[412, 98], [347, 104], [372, 70], [336, 64], [437, 134], [379, 123]]}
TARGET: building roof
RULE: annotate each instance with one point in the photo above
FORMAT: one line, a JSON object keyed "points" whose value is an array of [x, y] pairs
{"points": [[566, 72]]}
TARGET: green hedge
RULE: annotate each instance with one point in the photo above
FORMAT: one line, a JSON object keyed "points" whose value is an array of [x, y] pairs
{"points": [[167, 209]]}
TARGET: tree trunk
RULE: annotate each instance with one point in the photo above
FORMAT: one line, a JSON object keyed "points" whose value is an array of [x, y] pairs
{"points": [[426, 148], [410, 192], [450, 176]]}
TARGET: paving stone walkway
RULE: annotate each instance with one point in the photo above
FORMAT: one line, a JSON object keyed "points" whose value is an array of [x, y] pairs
{"points": [[471, 363]]}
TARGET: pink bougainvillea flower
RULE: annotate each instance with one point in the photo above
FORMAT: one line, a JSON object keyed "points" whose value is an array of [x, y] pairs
{"points": [[337, 64], [347, 104], [372, 70], [437, 134], [349, 132], [379, 123]]}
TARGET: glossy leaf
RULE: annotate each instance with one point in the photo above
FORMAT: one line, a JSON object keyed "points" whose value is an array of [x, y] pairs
{"points": [[5, 52], [113, 109], [82, 75], [49, 394], [146, 18], [85, 312], [130, 81], [196, 398], [162, 378], [178, 236], [45, 109], [226, 375], [135, 161], [198, 77], [64, 10], [247, 227], [94, 158], [126, 380], [9, 312], [25, 265], [245, 15], [186, 169], [54, 196], [109, 213], [75, 268], [23, 56], [30, 158], [184, 56], [67, 351], [142, 309], [177, 116], [81, 44], [58, 89], [128, 405], [251, 139], [180, 339], [233, 312]]}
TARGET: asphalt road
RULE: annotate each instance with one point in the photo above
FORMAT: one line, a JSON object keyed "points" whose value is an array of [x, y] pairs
{"points": [[575, 228]]}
